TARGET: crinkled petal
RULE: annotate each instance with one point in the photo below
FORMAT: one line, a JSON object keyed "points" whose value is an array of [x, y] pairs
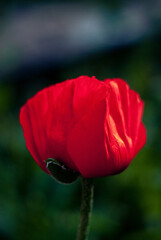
{"points": [[48, 117], [86, 143], [123, 123]]}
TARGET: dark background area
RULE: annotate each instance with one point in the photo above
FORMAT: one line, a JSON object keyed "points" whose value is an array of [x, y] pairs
{"points": [[45, 42]]}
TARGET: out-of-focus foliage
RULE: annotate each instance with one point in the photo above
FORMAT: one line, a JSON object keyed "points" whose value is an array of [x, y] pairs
{"points": [[126, 206]]}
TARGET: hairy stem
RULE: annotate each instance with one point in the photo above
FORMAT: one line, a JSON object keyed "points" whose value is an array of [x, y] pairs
{"points": [[86, 207]]}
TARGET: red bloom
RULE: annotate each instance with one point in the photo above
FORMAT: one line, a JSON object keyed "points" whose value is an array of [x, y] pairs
{"points": [[93, 127]]}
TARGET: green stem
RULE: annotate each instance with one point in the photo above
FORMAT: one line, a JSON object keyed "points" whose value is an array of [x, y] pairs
{"points": [[86, 207]]}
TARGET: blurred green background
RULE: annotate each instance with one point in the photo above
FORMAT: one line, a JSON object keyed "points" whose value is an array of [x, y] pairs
{"points": [[45, 42]]}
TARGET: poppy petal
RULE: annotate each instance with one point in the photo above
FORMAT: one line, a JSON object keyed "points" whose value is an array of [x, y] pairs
{"points": [[86, 143]]}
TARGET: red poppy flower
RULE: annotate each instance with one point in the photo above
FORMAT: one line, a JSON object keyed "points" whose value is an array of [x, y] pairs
{"points": [[93, 127]]}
